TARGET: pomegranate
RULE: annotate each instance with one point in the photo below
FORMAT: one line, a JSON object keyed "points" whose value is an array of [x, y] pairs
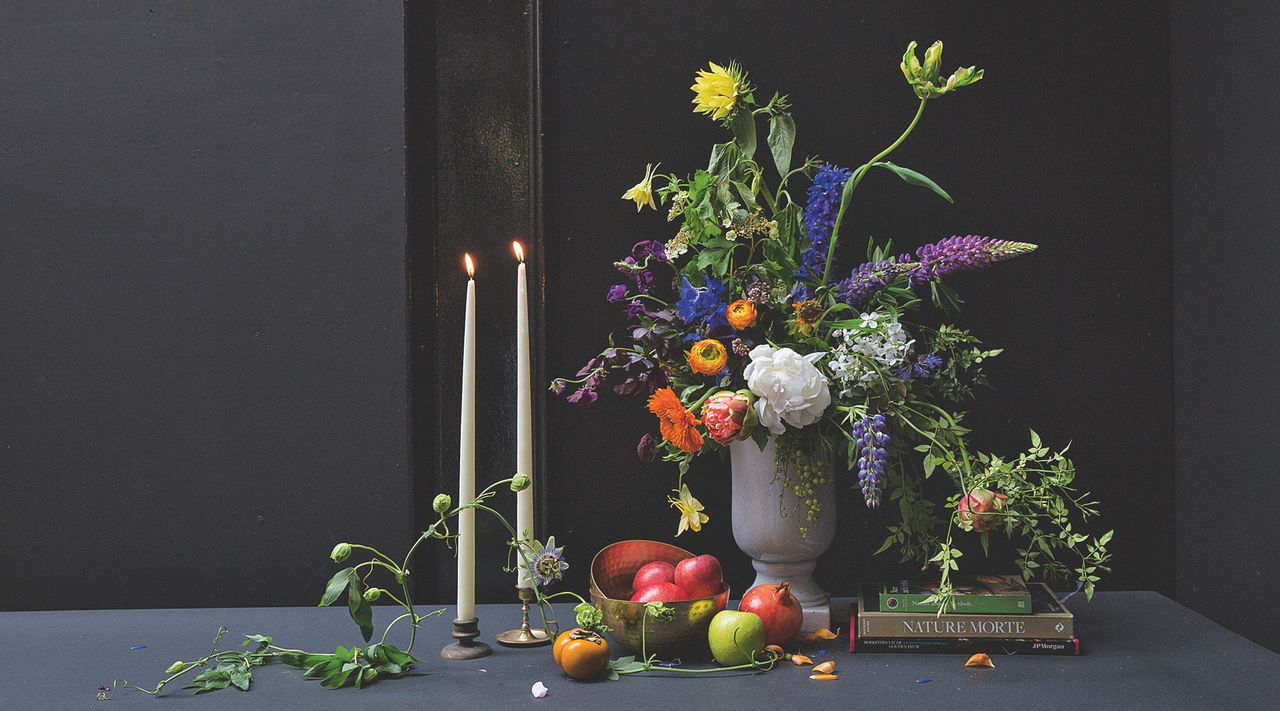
{"points": [[656, 572], [661, 592], [779, 609]]}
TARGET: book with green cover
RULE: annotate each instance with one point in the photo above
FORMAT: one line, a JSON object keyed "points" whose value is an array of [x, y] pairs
{"points": [[985, 594], [1049, 619]]}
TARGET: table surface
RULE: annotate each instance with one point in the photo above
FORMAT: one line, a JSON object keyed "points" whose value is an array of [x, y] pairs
{"points": [[1141, 650]]}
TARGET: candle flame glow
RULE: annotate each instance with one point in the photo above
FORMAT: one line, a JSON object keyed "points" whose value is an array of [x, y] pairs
{"points": [[471, 266], [519, 250]]}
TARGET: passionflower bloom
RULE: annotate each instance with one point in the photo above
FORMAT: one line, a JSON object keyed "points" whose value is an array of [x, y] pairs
{"points": [[642, 192], [677, 425], [924, 78], [791, 389], [716, 90], [691, 516], [978, 507], [724, 414], [708, 356], [741, 314], [548, 562]]}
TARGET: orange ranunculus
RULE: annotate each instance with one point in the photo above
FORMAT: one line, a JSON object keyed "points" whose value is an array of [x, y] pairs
{"points": [[741, 314], [708, 356], [678, 425]]}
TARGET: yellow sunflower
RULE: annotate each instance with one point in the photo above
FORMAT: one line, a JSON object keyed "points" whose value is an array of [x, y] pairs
{"points": [[715, 92]]}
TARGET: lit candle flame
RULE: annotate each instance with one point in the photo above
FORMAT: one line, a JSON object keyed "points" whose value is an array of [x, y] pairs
{"points": [[519, 250], [471, 266]]}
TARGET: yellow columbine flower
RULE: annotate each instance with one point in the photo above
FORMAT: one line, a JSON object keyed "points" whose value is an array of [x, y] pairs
{"points": [[691, 516], [715, 92], [642, 193]]}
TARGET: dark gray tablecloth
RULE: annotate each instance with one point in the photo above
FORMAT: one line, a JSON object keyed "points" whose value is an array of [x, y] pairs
{"points": [[1142, 651]]}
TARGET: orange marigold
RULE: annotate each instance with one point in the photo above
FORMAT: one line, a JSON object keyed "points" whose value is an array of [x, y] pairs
{"points": [[741, 314], [678, 425], [708, 356]]}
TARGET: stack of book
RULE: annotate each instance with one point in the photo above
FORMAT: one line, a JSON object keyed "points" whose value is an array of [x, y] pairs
{"points": [[996, 614]]}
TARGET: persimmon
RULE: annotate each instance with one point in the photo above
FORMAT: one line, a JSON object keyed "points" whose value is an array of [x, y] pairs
{"points": [[582, 654]]}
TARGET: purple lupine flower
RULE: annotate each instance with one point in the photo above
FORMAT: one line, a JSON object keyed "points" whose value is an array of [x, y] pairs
{"points": [[961, 254], [617, 293], [649, 248], [820, 218], [870, 443], [870, 277]]}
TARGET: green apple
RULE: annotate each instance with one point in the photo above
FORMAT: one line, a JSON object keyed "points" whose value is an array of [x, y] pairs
{"points": [[736, 637]]}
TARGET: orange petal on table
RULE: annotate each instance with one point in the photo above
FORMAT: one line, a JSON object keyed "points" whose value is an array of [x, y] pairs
{"points": [[775, 649], [827, 667], [823, 677], [800, 660], [980, 660], [814, 636]]}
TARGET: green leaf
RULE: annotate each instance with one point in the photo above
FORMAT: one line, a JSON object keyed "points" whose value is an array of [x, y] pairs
{"points": [[241, 679], [361, 612], [336, 680], [914, 178], [721, 155], [744, 132], [333, 589], [782, 136]]}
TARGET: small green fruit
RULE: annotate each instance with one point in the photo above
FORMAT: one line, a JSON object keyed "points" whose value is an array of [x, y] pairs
{"points": [[736, 637]]}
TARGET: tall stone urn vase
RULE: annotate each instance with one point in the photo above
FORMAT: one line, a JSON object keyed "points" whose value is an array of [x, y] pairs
{"points": [[767, 518]]}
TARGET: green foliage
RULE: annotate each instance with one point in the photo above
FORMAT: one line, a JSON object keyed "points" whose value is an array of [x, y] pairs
{"points": [[355, 667]]}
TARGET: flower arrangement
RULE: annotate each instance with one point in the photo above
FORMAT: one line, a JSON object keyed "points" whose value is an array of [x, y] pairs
{"points": [[741, 326]]}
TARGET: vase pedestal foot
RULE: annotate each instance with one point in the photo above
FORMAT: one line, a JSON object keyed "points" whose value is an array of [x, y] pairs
{"points": [[815, 601]]}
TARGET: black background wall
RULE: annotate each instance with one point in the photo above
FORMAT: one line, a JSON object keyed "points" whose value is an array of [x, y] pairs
{"points": [[1225, 254], [204, 218], [202, 235]]}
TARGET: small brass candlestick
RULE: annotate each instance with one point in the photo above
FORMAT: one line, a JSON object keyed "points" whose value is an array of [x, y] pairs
{"points": [[466, 646], [526, 636]]}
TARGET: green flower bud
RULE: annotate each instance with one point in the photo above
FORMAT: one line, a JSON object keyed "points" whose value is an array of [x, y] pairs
{"points": [[924, 79], [372, 594], [520, 482], [341, 552], [442, 503], [175, 667]]}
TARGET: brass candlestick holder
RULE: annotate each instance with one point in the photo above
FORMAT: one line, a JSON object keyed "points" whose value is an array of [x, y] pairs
{"points": [[466, 646], [525, 636]]}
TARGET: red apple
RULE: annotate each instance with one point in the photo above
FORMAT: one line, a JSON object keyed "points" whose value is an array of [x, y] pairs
{"points": [[779, 609], [661, 592], [658, 571], [700, 576]]}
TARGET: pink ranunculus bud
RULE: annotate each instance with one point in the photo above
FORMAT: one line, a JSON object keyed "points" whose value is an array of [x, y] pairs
{"points": [[724, 413], [976, 509]]}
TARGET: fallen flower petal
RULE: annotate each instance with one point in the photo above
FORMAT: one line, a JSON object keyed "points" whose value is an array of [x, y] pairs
{"points": [[823, 677], [980, 660], [775, 649], [800, 660], [825, 668], [818, 634], [539, 690]]}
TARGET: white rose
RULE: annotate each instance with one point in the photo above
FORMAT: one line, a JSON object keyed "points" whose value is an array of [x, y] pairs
{"points": [[790, 389]]}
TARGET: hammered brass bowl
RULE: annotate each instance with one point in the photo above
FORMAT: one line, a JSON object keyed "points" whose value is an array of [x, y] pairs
{"points": [[684, 635]]}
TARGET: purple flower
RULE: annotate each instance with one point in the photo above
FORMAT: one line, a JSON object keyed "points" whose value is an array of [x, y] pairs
{"points": [[870, 277], [617, 293], [921, 366], [649, 248], [870, 444], [820, 218], [961, 254], [584, 395], [647, 448], [644, 281], [634, 309], [703, 305]]}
